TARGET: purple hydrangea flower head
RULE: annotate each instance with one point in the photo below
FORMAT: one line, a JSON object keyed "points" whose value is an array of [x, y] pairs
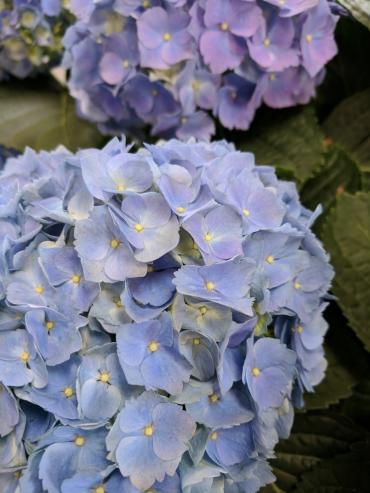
{"points": [[163, 37], [268, 371], [59, 395], [63, 269], [161, 311], [226, 283], [148, 224], [154, 360], [112, 258], [176, 65], [55, 334], [238, 100], [30, 36], [153, 431], [229, 446], [271, 46], [101, 384], [218, 233], [317, 43], [227, 25]]}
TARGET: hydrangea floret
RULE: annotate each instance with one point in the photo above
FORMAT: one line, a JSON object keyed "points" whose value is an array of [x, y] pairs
{"points": [[161, 315], [178, 66], [31, 34]]}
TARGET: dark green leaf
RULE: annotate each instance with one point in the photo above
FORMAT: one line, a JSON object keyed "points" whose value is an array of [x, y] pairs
{"points": [[340, 173], [337, 384], [288, 139], [314, 438], [347, 236], [42, 119], [341, 474], [349, 125]]}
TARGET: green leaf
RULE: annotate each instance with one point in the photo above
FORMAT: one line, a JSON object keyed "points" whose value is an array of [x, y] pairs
{"points": [[314, 438], [337, 384], [346, 235], [357, 408], [345, 473], [288, 139], [42, 119], [360, 9], [349, 125], [339, 173]]}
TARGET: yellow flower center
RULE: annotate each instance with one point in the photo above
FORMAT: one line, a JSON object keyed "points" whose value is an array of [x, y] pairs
{"points": [[167, 37], [255, 371], [148, 431], [146, 4], [76, 279], [126, 64], [213, 436], [79, 441], [104, 377], [213, 398], [270, 259], [272, 77], [139, 228], [210, 286], [25, 356], [49, 325], [195, 85], [297, 285], [117, 301], [114, 243], [309, 38], [246, 212], [121, 187], [68, 392], [266, 42], [180, 210], [207, 237], [299, 329], [196, 341], [224, 26], [99, 489], [203, 310], [153, 346], [39, 289]]}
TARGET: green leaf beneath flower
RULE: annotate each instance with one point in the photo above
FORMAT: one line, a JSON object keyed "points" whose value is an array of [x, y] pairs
{"points": [[337, 384], [290, 139], [349, 126], [347, 236], [42, 119]]}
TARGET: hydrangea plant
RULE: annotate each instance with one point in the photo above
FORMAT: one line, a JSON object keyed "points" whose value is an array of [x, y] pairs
{"points": [[175, 65], [30, 35], [161, 317]]}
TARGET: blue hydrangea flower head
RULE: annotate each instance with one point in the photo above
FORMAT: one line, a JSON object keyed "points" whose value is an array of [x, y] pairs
{"points": [[179, 65], [161, 310]]}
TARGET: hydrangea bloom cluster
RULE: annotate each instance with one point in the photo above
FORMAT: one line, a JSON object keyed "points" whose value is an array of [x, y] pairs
{"points": [[161, 317], [31, 32], [174, 65]]}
